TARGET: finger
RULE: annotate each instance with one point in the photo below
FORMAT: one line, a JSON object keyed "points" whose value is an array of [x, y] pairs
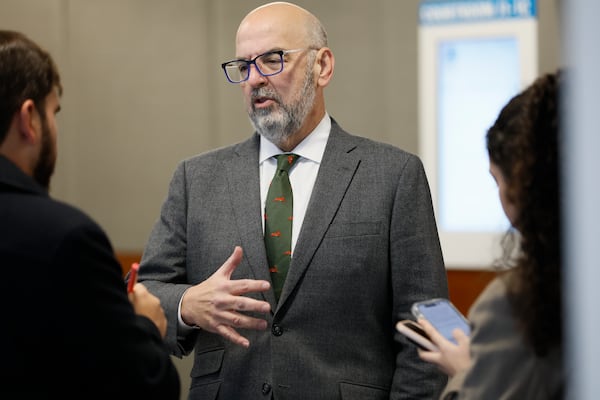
{"points": [[236, 320], [460, 336], [243, 286], [436, 337], [232, 299], [425, 324], [137, 292], [232, 335], [139, 289], [232, 262], [429, 329], [247, 304], [429, 356]]}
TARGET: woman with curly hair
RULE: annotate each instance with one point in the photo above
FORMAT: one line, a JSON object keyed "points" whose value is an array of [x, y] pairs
{"points": [[515, 347]]}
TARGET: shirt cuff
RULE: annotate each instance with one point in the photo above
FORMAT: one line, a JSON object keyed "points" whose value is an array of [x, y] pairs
{"points": [[182, 327]]}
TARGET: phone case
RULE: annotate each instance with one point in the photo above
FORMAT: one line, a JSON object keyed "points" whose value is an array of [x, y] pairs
{"points": [[443, 315], [415, 334]]}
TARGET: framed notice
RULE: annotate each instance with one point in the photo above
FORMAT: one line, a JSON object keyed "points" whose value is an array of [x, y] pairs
{"points": [[474, 55]]}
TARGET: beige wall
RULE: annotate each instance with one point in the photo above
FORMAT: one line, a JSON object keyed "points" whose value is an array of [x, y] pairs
{"points": [[144, 88]]}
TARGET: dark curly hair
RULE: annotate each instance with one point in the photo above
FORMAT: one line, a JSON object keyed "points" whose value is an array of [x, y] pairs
{"points": [[26, 72], [523, 143]]}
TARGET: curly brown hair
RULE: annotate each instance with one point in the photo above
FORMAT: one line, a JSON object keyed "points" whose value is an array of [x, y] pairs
{"points": [[523, 143]]}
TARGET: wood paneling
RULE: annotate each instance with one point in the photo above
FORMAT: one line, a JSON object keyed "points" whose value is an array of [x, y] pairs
{"points": [[128, 258], [464, 285]]}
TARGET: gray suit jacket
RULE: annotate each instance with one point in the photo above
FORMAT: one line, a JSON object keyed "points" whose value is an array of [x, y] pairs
{"points": [[504, 367], [367, 250]]}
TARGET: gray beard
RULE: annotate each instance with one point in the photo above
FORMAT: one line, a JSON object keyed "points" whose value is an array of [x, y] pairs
{"points": [[278, 125]]}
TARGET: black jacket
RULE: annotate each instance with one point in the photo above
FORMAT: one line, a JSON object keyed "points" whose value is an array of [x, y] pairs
{"points": [[68, 329]]}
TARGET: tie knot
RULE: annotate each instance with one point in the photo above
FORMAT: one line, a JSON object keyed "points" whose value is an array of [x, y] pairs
{"points": [[285, 161]]}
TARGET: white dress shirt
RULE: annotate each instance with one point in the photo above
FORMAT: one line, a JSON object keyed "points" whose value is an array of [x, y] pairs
{"points": [[303, 173]]}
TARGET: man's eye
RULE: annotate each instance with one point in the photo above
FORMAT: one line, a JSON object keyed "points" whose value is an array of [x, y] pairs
{"points": [[271, 59]]}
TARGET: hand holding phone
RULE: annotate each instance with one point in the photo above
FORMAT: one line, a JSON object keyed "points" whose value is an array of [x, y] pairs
{"points": [[413, 331], [442, 314]]}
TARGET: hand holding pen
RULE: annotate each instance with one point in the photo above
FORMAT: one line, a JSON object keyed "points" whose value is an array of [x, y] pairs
{"points": [[145, 303]]}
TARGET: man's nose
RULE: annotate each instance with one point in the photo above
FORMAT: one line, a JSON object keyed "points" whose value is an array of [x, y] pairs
{"points": [[255, 78]]}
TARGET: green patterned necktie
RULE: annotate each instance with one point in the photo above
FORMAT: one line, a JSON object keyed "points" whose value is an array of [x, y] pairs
{"points": [[278, 222]]}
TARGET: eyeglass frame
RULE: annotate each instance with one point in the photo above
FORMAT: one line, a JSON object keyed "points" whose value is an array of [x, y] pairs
{"points": [[281, 53]]}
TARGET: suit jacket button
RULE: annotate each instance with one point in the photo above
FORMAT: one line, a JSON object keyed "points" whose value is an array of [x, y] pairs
{"points": [[277, 330], [266, 388]]}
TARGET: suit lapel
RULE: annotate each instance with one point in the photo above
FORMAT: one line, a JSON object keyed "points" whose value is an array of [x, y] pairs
{"points": [[244, 189], [340, 162]]}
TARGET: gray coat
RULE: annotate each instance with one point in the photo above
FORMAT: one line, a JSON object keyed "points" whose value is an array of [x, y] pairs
{"points": [[504, 367], [368, 249]]}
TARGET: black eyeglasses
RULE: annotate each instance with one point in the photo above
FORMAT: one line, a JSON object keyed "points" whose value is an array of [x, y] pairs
{"points": [[267, 64]]}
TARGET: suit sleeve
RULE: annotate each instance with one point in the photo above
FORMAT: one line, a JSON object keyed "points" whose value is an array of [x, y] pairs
{"points": [[163, 267], [418, 273]]}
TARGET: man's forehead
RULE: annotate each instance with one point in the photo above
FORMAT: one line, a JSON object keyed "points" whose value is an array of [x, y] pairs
{"points": [[254, 44]]}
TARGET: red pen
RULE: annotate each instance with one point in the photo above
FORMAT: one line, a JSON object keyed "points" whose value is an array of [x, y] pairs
{"points": [[133, 273]]}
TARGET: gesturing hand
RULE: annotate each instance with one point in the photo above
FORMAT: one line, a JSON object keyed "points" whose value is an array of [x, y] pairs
{"points": [[217, 304]]}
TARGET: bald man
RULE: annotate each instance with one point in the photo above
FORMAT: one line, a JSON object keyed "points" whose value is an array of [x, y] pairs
{"points": [[364, 243]]}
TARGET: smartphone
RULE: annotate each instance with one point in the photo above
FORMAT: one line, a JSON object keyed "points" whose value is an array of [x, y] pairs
{"points": [[442, 314], [413, 331]]}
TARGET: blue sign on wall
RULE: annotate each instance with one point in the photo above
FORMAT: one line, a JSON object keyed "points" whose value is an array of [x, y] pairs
{"points": [[439, 12]]}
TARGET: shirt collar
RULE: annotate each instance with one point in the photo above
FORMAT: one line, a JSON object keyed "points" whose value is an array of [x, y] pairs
{"points": [[311, 148]]}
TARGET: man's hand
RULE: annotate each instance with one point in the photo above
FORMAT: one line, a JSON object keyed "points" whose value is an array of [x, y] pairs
{"points": [[217, 304]]}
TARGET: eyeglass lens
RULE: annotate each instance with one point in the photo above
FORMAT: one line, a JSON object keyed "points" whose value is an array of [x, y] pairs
{"points": [[267, 64]]}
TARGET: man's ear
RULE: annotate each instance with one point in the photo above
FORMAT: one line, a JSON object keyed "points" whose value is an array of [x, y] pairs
{"points": [[325, 63], [29, 123]]}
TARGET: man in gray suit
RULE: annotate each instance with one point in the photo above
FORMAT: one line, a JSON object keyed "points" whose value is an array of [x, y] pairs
{"points": [[364, 241]]}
